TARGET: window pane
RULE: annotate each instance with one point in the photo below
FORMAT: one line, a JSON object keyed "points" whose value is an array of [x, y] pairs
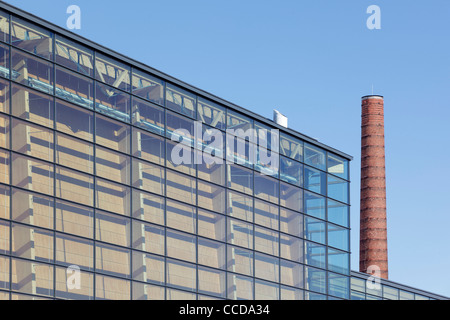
{"points": [[32, 277], [32, 105], [74, 120], [184, 127], [4, 27], [211, 113], [338, 166], [112, 260], [338, 261], [240, 179], [32, 38], [338, 286], [181, 275], [148, 116], [240, 233], [148, 207], [266, 290], [237, 121], [4, 58], [338, 237], [108, 288], [4, 167], [268, 137], [148, 268], [291, 222], [112, 102], [291, 197], [4, 96], [112, 197], [172, 294], [211, 253], [180, 157], [266, 214], [74, 251], [315, 230], [112, 165], [240, 260], [148, 87], [211, 197], [241, 151], [32, 174], [291, 248], [74, 153], [148, 237], [74, 88], [315, 180], [315, 280], [211, 282], [112, 134], [291, 171], [266, 188], [4, 276], [181, 245], [148, 177], [112, 72], [112, 228], [181, 216], [338, 189], [292, 274], [4, 202], [31, 208], [211, 171], [32, 71], [267, 267], [4, 237], [315, 156], [211, 225], [32, 140], [240, 206], [180, 100], [74, 186], [314, 205], [74, 56], [288, 293], [148, 146], [4, 131], [63, 291], [338, 213], [315, 254], [143, 291], [267, 241], [74, 219], [291, 147], [32, 243], [181, 187], [240, 287]]}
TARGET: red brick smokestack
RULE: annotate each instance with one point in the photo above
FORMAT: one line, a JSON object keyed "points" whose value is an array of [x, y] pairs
{"points": [[373, 228]]}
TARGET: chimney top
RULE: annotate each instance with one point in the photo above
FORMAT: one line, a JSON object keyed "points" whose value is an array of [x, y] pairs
{"points": [[373, 96]]}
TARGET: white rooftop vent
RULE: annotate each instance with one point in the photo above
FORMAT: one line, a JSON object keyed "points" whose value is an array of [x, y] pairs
{"points": [[280, 119]]}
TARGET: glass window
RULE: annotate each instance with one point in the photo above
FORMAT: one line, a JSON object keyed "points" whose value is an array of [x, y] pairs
{"points": [[291, 248], [240, 179], [211, 171], [240, 260], [181, 275], [181, 216], [291, 147], [315, 157], [4, 59], [338, 285], [4, 131], [211, 253], [4, 237], [288, 293], [32, 38], [112, 72], [266, 188], [148, 116], [211, 197], [112, 228], [266, 290], [338, 237], [181, 187], [31, 208], [338, 166], [357, 296], [4, 96], [267, 241], [338, 189], [74, 153], [291, 197], [404, 295], [315, 180], [112, 197], [315, 230], [237, 121], [148, 237], [108, 288], [4, 202], [4, 27], [180, 157], [291, 171], [32, 277], [32, 243], [143, 291], [112, 165], [314, 205], [112, 134], [291, 222], [4, 276], [32, 174], [112, 102], [211, 113], [338, 261], [211, 282], [74, 186], [32, 71], [315, 254], [74, 251], [74, 56], [148, 146], [240, 287], [240, 206], [74, 121], [358, 284], [75, 219], [32, 105], [148, 268], [241, 151], [148, 176], [148, 87], [172, 294], [211, 225], [180, 100], [292, 274], [32, 140], [239, 233], [267, 267], [63, 276], [179, 128], [181, 245], [148, 207], [266, 214], [268, 137], [112, 260], [315, 280], [338, 213], [74, 88], [4, 167]]}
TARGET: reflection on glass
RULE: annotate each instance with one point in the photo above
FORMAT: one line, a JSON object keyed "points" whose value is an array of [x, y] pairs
{"points": [[32, 208], [112, 102], [338, 189], [148, 207], [292, 274], [74, 251], [112, 228], [32, 38], [109, 288], [4, 26], [148, 237], [32, 140], [148, 116], [211, 225], [338, 237], [4, 96], [148, 87], [291, 196], [291, 248], [266, 188], [211, 197], [338, 213], [315, 156], [315, 180], [315, 280], [315, 254], [148, 268], [181, 216], [74, 219], [74, 56], [240, 233], [74, 88], [211, 113], [4, 59], [180, 100], [291, 147], [112, 72], [32, 174], [112, 197], [112, 260], [240, 179], [32, 105], [267, 241], [112, 134], [239, 260], [338, 285], [32, 243], [74, 153], [240, 206], [148, 146], [240, 287], [266, 214], [314, 205], [291, 222], [338, 166], [211, 253], [267, 267], [211, 282], [74, 186], [338, 261], [291, 171], [315, 230], [181, 275], [32, 277], [74, 121]]}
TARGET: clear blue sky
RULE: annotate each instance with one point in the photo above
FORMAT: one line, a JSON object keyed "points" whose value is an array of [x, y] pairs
{"points": [[313, 60]]}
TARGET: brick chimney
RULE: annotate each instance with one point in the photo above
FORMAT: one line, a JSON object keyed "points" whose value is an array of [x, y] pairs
{"points": [[373, 228]]}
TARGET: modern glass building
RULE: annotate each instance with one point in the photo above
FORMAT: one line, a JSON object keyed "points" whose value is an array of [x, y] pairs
{"points": [[88, 187]]}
